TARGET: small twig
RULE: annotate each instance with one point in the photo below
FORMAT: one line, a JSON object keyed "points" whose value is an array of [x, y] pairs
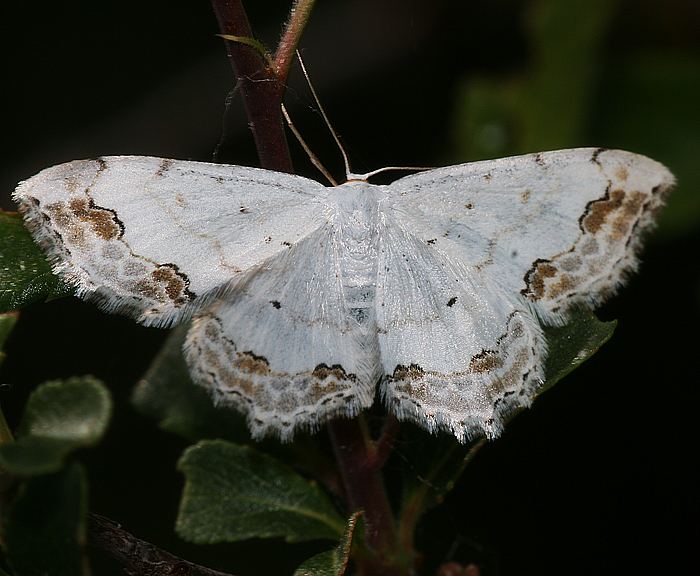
{"points": [[137, 557], [414, 506], [298, 18]]}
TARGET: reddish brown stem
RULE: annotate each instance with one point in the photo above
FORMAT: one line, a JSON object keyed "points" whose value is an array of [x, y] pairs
{"points": [[359, 460], [384, 445], [364, 486], [260, 87]]}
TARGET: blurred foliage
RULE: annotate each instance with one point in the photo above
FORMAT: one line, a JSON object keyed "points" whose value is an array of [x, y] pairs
{"points": [[167, 394], [44, 498], [44, 525], [570, 95], [650, 104], [60, 417], [547, 105]]}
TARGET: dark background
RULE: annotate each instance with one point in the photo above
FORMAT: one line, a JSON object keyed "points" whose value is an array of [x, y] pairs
{"points": [[599, 477]]}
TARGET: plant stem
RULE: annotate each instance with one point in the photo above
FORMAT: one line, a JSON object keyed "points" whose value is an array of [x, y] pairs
{"points": [[364, 486], [260, 87], [414, 507], [298, 18], [384, 445], [136, 556]]}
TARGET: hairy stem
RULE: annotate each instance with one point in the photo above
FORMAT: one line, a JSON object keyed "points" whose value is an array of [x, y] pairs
{"points": [[298, 18]]}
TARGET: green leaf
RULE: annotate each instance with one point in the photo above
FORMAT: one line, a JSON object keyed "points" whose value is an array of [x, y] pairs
{"points": [[332, 562], [234, 493], [167, 394], [435, 463], [44, 526], [60, 417], [574, 343], [25, 274]]}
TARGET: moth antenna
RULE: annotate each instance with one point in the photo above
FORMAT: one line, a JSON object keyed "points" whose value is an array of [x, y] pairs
{"points": [[388, 168], [348, 173], [314, 159]]}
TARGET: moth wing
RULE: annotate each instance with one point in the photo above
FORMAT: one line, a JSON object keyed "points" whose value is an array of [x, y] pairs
{"points": [[156, 238], [557, 228], [457, 352], [282, 344]]}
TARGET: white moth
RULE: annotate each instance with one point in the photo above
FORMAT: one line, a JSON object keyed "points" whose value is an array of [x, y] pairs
{"points": [[306, 298]]}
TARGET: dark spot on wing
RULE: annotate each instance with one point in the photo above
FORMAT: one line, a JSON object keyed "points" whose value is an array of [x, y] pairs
{"points": [[411, 372], [251, 363], [540, 270], [103, 221], [597, 211], [165, 165], [175, 283], [451, 301], [485, 361], [276, 304], [323, 371], [597, 152]]}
